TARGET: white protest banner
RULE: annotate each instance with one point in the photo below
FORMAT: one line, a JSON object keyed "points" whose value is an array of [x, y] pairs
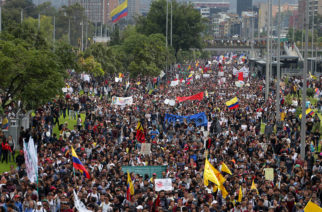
{"points": [[122, 100], [161, 74], [64, 90], [206, 75], [118, 79], [31, 160], [172, 102], [220, 73], [145, 148], [163, 184], [197, 76], [174, 83]]}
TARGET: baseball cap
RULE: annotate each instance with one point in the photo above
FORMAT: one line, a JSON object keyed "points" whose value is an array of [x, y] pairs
{"points": [[39, 204]]}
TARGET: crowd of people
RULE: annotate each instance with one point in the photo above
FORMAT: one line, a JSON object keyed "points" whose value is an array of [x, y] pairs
{"points": [[248, 139]]}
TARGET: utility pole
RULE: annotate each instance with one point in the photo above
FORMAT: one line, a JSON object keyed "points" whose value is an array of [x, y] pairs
{"points": [[21, 16], [54, 32], [293, 31], [303, 121], [166, 27], [278, 116], [38, 21], [0, 19], [171, 26], [268, 51], [69, 30], [252, 43], [82, 43], [312, 51], [166, 34]]}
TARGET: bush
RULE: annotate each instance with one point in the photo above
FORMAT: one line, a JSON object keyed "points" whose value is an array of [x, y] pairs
{"points": [[310, 92]]}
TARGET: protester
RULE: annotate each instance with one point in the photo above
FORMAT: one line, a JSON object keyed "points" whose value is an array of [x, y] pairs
{"points": [[243, 135]]}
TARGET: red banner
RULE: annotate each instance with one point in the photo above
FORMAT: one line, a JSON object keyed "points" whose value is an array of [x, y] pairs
{"points": [[198, 96], [241, 76]]}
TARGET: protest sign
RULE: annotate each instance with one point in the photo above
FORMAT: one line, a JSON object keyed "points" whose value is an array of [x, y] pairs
{"points": [[163, 184], [269, 174], [145, 148], [122, 100]]}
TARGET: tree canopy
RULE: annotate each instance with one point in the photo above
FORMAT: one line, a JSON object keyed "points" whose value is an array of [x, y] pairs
{"points": [[187, 24], [32, 76]]}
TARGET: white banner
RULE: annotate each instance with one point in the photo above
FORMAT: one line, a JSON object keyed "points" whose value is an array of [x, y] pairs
{"points": [[118, 79], [220, 74], [79, 205], [122, 100], [174, 83], [163, 184], [206, 75], [31, 160], [145, 148]]}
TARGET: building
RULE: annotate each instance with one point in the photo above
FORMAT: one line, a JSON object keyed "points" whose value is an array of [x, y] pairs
{"points": [[55, 3], [214, 6], [315, 5], [95, 10], [244, 5], [247, 24], [262, 17]]}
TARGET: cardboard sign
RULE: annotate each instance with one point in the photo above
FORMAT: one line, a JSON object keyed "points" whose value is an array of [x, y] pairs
{"points": [[145, 148]]}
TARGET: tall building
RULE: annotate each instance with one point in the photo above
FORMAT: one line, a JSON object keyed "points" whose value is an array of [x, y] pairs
{"points": [[95, 10], [314, 5], [55, 3], [244, 5]]}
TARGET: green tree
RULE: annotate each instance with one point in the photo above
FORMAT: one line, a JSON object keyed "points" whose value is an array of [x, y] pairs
{"points": [[32, 76], [106, 57], [90, 66], [187, 24], [66, 54]]}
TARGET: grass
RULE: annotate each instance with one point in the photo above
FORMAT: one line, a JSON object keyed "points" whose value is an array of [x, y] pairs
{"points": [[5, 167], [70, 122]]}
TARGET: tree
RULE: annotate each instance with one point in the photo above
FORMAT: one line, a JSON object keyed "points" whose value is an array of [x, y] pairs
{"points": [[146, 55], [66, 54], [90, 66], [32, 76], [106, 57], [187, 24]]}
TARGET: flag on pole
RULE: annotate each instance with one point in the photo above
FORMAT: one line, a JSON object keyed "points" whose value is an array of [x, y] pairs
{"points": [[224, 168], [240, 194], [77, 164], [209, 175], [31, 160], [119, 12], [312, 207], [253, 187], [233, 103], [130, 187], [309, 111], [140, 133]]}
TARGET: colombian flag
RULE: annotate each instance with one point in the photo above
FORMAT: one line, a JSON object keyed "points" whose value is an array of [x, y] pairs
{"points": [[130, 187], [78, 164], [140, 133], [5, 124], [309, 111], [233, 103], [119, 12]]}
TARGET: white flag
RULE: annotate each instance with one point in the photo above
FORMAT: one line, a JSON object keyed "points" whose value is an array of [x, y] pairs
{"points": [[79, 204], [163, 184], [31, 160]]}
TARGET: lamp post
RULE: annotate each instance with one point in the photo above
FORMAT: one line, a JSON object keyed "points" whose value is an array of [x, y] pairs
{"points": [[303, 121], [278, 117]]}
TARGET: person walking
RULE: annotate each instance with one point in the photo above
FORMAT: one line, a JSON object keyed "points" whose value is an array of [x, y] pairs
{"points": [[5, 150], [11, 143]]}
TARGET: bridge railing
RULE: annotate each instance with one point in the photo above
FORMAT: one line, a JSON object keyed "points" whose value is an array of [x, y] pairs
{"points": [[233, 43]]}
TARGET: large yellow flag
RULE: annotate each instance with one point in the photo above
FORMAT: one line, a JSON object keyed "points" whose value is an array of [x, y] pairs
{"points": [[209, 175], [219, 176], [224, 168], [130, 184], [223, 190], [312, 207], [240, 194], [254, 187]]}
